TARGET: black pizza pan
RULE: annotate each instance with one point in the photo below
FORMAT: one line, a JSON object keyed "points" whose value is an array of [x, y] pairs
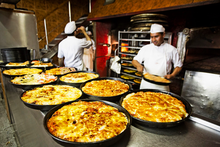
{"points": [[76, 84], [107, 98], [27, 87], [42, 107], [145, 123], [104, 143], [3, 65], [158, 83], [59, 75], [15, 75]]}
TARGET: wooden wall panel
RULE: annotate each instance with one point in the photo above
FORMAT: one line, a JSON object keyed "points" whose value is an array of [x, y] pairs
{"points": [[130, 7], [56, 14]]}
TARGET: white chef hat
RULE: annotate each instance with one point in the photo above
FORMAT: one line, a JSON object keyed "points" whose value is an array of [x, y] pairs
{"points": [[70, 27], [156, 28]]}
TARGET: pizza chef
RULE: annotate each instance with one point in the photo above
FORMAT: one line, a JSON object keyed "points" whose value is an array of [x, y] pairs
{"points": [[157, 58]]}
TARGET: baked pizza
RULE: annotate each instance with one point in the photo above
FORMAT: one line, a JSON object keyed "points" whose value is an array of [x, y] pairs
{"points": [[60, 70], [127, 58], [17, 63], [34, 79], [155, 78], [127, 64], [138, 81], [129, 70], [154, 106], [78, 77], [139, 74], [87, 122], [51, 95], [21, 71], [37, 63], [105, 88], [126, 77]]}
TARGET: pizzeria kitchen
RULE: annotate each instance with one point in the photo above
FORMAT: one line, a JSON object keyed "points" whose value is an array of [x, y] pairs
{"points": [[199, 32]]}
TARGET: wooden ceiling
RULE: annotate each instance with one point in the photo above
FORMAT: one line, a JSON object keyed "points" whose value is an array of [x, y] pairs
{"points": [[122, 8]]}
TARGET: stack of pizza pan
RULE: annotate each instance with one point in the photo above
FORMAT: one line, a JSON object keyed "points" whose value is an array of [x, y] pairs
{"points": [[155, 108], [143, 22]]}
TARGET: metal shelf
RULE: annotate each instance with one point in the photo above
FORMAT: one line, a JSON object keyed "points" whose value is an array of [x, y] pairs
{"points": [[133, 47], [127, 32], [131, 75], [126, 54], [134, 39]]}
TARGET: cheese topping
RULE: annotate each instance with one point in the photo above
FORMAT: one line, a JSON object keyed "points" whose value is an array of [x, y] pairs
{"points": [[34, 79], [156, 78], [17, 64], [87, 122], [51, 95], [40, 64], [78, 77], [105, 88], [153, 106], [60, 70], [22, 71]]}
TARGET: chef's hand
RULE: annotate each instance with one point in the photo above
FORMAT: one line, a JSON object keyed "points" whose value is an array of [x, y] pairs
{"points": [[169, 76], [81, 28], [140, 68]]}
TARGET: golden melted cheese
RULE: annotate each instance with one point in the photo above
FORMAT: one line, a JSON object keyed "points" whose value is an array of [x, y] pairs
{"points": [[105, 88], [153, 106], [22, 71], [78, 77], [156, 78], [51, 95], [17, 64], [60, 70], [34, 79], [87, 122]]}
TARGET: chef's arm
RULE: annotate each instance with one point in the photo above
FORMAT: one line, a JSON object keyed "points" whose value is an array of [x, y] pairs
{"points": [[175, 72], [137, 65], [60, 62], [82, 28]]}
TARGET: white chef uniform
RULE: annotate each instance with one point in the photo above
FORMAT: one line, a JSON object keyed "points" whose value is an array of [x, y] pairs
{"points": [[158, 61], [71, 48]]}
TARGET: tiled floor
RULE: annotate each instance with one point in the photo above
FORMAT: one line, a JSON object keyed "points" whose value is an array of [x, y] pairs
{"points": [[7, 138]]}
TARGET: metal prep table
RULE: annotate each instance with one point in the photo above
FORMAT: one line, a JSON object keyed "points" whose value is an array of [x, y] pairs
{"points": [[28, 125]]}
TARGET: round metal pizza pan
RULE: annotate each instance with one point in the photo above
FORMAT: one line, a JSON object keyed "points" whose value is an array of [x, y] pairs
{"points": [[149, 21], [76, 84], [149, 15], [3, 65], [104, 143], [107, 98], [140, 29], [59, 75], [42, 107], [27, 87], [158, 83], [15, 75], [145, 123], [135, 25]]}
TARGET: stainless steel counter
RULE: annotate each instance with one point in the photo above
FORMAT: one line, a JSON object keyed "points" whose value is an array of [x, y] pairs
{"points": [[28, 124]]}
